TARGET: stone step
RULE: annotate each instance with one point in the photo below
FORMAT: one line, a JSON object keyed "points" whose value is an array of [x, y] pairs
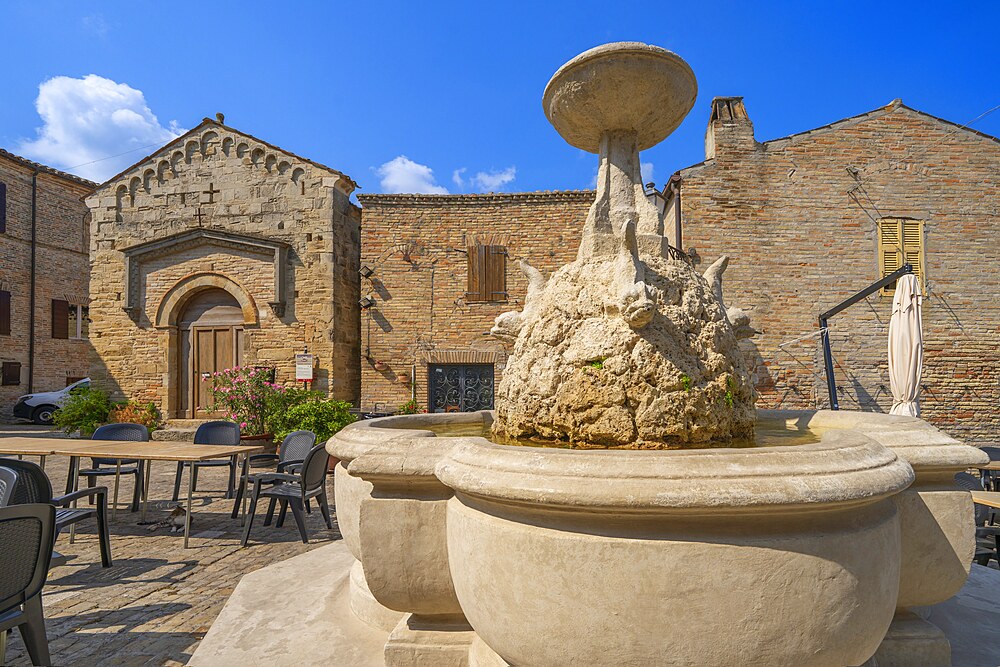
{"points": [[174, 434]]}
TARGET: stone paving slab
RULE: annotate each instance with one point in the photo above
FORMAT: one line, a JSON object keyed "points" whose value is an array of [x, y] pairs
{"points": [[158, 600]]}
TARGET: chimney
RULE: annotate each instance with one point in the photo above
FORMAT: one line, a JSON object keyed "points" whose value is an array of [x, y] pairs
{"points": [[729, 128]]}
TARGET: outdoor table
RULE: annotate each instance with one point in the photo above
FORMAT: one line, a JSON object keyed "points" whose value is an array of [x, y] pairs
{"points": [[122, 449], [988, 498]]}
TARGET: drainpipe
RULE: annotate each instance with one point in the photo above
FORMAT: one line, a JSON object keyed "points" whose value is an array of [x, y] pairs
{"points": [[31, 287]]}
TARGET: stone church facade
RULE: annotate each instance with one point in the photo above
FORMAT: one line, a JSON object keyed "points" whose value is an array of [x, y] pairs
{"points": [[220, 250]]}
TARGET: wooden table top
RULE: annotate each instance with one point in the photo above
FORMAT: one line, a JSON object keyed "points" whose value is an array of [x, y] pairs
{"points": [[988, 498], [148, 451]]}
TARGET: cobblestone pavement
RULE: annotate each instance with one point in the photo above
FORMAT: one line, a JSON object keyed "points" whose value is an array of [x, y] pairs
{"points": [[158, 600]]}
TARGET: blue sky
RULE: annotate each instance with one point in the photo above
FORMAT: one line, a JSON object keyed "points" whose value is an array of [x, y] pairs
{"points": [[456, 87]]}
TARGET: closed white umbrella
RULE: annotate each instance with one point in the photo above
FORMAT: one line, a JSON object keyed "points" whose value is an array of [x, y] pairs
{"points": [[906, 347]]}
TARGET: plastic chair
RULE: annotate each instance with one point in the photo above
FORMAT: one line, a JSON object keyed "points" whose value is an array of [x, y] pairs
{"points": [[292, 491], [291, 454], [33, 487], [26, 533], [8, 478], [124, 432], [990, 476], [211, 433]]}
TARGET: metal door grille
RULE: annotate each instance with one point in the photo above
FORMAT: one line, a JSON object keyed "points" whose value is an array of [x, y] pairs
{"points": [[460, 388]]}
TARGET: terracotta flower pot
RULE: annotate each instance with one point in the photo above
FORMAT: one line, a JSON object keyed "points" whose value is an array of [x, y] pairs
{"points": [[381, 365]]}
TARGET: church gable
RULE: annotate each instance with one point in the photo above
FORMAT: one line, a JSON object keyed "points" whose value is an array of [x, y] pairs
{"points": [[213, 170]]}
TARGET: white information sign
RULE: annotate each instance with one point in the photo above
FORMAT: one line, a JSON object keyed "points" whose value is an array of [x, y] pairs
{"points": [[304, 367]]}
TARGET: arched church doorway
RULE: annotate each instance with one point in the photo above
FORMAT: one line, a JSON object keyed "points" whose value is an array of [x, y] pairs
{"points": [[210, 338]]}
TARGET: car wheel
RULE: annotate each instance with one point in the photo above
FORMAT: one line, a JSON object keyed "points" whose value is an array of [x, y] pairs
{"points": [[43, 414]]}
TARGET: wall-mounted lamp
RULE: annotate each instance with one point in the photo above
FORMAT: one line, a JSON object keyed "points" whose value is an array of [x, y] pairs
{"points": [[366, 302], [366, 270]]}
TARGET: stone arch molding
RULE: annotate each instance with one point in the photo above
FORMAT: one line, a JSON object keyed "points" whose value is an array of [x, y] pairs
{"points": [[176, 298]]}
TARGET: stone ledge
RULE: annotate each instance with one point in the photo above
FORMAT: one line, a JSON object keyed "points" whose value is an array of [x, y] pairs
{"points": [[295, 612]]}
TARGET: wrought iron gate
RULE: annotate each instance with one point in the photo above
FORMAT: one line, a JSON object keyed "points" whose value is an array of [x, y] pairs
{"points": [[460, 388]]}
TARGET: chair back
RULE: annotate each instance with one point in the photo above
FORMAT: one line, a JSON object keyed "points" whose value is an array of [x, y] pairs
{"points": [[27, 533], [314, 469], [970, 483], [296, 445], [8, 478], [992, 452], [217, 433], [125, 432], [32, 485]]}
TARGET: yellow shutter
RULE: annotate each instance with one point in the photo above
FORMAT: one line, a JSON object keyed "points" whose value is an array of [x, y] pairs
{"points": [[900, 242], [913, 247]]}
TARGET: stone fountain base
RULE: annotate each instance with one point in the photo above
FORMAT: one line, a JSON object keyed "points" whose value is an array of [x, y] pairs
{"points": [[244, 634]]}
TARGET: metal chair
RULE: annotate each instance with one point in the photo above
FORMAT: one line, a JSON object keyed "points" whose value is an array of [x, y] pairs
{"points": [[33, 486], [211, 433], [124, 432], [293, 491], [8, 478], [26, 533], [290, 456], [986, 548]]}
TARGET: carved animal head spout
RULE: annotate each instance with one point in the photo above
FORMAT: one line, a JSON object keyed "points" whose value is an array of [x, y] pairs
{"points": [[738, 318]]}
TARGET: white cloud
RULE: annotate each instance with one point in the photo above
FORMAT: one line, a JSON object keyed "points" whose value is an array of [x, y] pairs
{"points": [[493, 181], [90, 119], [646, 169], [456, 177], [403, 175]]}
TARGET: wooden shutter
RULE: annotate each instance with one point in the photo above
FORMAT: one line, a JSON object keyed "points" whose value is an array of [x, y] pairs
{"points": [[900, 241], [60, 319], [10, 374], [890, 246], [476, 261], [4, 313], [913, 246], [495, 273], [3, 208]]}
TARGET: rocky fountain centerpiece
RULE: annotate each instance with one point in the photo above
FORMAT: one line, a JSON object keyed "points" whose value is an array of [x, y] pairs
{"points": [[649, 537]]}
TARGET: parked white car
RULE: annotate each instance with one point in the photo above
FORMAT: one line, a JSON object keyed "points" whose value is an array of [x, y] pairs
{"points": [[39, 408]]}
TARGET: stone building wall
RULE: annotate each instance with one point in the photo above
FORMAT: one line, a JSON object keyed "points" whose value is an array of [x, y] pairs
{"points": [[798, 215], [416, 246], [218, 181], [62, 229]]}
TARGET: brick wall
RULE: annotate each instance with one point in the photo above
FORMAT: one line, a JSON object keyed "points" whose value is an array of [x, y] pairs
{"points": [[798, 216], [62, 227], [416, 245], [241, 185]]}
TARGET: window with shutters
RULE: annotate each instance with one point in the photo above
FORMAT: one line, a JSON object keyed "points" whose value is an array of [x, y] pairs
{"points": [[10, 373], [487, 279], [900, 241], [3, 207], [4, 313], [60, 319]]}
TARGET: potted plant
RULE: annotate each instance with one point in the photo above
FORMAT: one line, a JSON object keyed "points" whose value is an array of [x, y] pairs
{"points": [[381, 366], [244, 394], [87, 408]]}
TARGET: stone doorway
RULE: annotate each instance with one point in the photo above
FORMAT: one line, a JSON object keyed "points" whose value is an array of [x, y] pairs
{"points": [[210, 338]]}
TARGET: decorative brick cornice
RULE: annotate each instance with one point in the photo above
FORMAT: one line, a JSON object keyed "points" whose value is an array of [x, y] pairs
{"points": [[540, 196], [462, 356]]}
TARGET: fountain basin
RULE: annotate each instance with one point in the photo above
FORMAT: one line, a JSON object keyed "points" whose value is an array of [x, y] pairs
{"points": [[625, 86], [700, 527], [762, 556]]}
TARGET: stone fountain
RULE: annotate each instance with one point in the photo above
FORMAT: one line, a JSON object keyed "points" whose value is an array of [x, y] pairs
{"points": [[649, 540]]}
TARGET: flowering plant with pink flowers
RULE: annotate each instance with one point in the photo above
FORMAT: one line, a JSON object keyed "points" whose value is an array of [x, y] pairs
{"points": [[244, 394]]}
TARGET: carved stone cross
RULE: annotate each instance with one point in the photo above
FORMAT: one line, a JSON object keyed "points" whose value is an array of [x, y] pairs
{"points": [[211, 192]]}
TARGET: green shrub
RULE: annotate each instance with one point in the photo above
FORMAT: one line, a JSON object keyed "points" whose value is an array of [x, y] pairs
{"points": [[411, 407], [322, 417], [134, 412], [85, 410]]}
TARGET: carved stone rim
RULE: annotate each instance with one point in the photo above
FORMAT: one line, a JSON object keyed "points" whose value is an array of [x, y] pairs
{"points": [[845, 468]]}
